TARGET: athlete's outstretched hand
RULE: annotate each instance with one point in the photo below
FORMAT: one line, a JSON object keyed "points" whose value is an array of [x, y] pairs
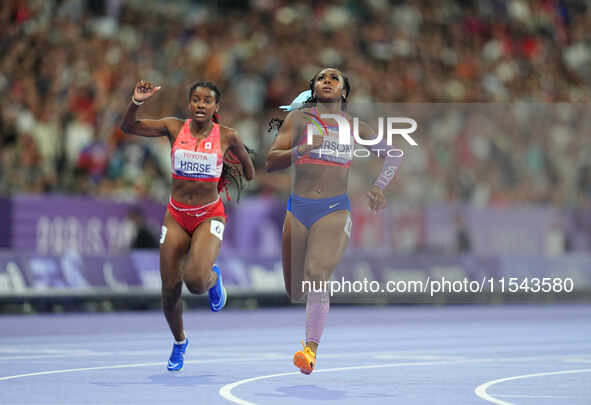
{"points": [[377, 201], [144, 90]]}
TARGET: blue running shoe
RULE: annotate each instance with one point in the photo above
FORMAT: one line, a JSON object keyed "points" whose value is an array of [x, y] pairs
{"points": [[217, 293], [177, 357]]}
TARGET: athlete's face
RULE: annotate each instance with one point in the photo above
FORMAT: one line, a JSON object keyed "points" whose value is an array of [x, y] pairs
{"points": [[329, 85], [203, 104]]}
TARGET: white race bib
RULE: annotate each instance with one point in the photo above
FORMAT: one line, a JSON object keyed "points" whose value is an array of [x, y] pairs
{"points": [[217, 229], [195, 164], [163, 233]]}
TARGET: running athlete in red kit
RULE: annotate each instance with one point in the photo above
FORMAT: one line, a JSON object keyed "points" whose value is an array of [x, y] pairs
{"points": [[204, 154]]}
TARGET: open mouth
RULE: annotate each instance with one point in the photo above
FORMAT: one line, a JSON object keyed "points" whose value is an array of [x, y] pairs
{"points": [[200, 114]]}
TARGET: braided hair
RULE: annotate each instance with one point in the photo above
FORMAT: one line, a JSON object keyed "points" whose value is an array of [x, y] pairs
{"points": [[232, 168]]}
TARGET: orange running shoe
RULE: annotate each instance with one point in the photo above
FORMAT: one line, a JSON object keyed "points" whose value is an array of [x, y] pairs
{"points": [[305, 359]]}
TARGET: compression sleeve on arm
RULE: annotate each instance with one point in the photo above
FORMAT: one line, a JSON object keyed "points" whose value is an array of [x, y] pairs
{"points": [[392, 160]]}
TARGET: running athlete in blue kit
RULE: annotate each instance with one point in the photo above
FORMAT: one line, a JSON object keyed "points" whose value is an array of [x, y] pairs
{"points": [[317, 225]]}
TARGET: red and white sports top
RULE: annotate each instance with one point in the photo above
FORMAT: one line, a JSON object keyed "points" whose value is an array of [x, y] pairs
{"points": [[332, 152], [197, 160]]}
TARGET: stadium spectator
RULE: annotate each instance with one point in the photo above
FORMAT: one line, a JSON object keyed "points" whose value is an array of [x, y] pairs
{"points": [[66, 65]]}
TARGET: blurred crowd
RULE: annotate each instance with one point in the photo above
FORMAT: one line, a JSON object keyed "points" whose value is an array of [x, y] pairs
{"points": [[68, 69]]}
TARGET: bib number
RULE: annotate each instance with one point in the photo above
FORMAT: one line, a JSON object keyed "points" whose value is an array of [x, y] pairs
{"points": [[348, 224], [217, 228], [163, 232]]}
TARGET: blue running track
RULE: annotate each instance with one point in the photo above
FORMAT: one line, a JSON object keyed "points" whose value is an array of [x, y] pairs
{"points": [[369, 355]]}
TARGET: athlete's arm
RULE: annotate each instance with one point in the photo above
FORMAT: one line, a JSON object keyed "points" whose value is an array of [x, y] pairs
{"points": [[145, 127], [392, 160], [282, 152], [236, 146]]}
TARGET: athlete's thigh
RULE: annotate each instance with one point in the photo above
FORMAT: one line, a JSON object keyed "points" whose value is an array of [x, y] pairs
{"points": [[205, 245], [174, 244], [327, 241], [293, 246]]}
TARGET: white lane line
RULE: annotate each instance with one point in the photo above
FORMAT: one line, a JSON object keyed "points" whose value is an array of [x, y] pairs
{"points": [[158, 352], [481, 389], [257, 357], [73, 370], [226, 391], [158, 363]]}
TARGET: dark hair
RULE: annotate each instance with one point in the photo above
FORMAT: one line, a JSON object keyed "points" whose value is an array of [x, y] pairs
{"points": [[275, 123], [232, 173], [208, 85]]}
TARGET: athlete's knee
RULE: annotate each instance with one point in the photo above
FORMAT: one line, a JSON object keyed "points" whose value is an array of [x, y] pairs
{"points": [[197, 282], [196, 285]]}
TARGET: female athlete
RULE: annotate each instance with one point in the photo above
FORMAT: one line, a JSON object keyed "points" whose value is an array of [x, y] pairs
{"points": [[317, 224], [204, 154]]}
